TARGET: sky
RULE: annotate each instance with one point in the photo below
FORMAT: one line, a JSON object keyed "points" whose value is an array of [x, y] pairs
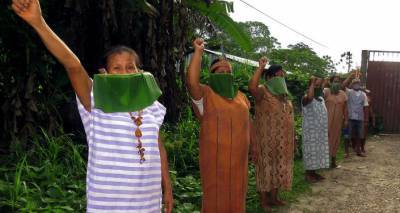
{"points": [[341, 25]]}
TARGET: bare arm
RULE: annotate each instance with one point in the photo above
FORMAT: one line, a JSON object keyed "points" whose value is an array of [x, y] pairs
{"points": [[310, 93], [30, 12], [193, 73], [253, 84], [347, 81], [168, 199]]}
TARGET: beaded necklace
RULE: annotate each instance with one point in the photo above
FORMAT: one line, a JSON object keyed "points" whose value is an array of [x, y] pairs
{"points": [[138, 133]]}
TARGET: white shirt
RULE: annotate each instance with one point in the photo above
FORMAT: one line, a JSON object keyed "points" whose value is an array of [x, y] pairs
{"points": [[358, 93], [200, 105]]}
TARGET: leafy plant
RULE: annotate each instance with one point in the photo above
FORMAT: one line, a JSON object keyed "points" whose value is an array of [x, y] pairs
{"points": [[48, 177], [218, 13]]}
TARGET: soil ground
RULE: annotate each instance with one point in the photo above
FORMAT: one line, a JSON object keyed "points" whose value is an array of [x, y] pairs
{"points": [[370, 184]]}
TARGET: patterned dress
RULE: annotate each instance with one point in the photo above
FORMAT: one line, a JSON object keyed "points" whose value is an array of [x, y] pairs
{"points": [[115, 180], [274, 134], [315, 135]]}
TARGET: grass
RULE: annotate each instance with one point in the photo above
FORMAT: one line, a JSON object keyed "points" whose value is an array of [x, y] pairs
{"points": [[50, 175]]}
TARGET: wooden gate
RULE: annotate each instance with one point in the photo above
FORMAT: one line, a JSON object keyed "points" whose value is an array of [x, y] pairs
{"points": [[383, 80]]}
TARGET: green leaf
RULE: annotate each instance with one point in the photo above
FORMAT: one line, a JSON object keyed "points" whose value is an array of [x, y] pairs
{"points": [[217, 13], [67, 208]]}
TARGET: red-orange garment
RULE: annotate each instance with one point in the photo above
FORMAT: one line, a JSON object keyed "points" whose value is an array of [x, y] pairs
{"points": [[224, 146], [274, 130], [335, 104]]}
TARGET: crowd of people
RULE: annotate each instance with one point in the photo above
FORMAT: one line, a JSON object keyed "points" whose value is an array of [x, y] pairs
{"points": [[127, 167], [330, 108]]}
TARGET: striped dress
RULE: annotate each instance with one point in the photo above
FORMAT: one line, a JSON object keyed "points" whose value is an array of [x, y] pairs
{"points": [[115, 179]]}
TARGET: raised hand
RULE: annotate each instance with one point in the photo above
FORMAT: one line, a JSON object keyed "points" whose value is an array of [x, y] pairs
{"points": [[28, 10], [353, 75], [262, 62], [198, 44], [313, 80]]}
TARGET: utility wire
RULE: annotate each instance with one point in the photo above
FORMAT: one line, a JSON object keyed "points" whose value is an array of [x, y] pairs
{"points": [[288, 27]]}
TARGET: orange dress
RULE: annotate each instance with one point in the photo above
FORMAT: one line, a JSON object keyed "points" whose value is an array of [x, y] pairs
{"points": [[274, 131], [335, 104], [224, 147]]}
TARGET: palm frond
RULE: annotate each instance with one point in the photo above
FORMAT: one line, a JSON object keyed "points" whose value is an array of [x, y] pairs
{"points": [[218, 13]]}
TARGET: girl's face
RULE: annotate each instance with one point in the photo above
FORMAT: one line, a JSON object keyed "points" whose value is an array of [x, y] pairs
{"points": [[121, 63]]}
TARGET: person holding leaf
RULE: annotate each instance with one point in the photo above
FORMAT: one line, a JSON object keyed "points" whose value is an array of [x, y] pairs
{"points": [[315, 130], [224, 117], [336, 105], [274, 131], [357, 106], [127, 168]]}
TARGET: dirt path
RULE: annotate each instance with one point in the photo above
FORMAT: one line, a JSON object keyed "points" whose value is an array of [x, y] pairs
{"points": [[370, 184]]}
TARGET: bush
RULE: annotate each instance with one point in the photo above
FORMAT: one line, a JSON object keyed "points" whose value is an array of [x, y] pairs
{"points": [[50, 176]]}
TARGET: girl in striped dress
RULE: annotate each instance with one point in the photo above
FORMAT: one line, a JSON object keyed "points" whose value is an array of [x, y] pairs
{"points": [[127, 164]]}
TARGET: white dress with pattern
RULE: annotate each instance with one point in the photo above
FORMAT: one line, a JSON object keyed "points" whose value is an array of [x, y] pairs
{"points": [[315, 135]]}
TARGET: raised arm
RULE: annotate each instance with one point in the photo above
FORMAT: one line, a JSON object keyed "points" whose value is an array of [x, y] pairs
{"points": [[347, 81], [310, 92], [193, 73], [29, 11], [253, 84]]}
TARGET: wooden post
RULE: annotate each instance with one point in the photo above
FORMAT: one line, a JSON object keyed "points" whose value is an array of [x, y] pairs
{"points": [[364, 66]]}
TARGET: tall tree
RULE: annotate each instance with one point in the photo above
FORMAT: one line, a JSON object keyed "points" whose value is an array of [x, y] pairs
{"points": [[35, 91], [262, 42]]}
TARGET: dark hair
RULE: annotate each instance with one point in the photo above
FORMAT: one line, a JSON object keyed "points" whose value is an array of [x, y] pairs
{"points": [[272, 70], [216, 61], [118, 50], [332, 78]]}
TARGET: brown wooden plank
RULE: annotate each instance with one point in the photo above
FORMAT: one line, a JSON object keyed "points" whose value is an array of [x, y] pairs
{"points": [[383, 79]]}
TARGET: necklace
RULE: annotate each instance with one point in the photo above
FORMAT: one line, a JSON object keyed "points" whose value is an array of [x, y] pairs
{"points": [[138, 133]]}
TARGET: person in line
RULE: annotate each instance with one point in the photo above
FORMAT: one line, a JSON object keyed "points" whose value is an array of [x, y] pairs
{"points": [[357, 111], [274, 131], [127, 168], [336, 105], [224, 117], [315, 130]]}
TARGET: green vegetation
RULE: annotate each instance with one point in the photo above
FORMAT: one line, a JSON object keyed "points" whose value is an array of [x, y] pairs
{"points": [[47, 177], [43, 150]]}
